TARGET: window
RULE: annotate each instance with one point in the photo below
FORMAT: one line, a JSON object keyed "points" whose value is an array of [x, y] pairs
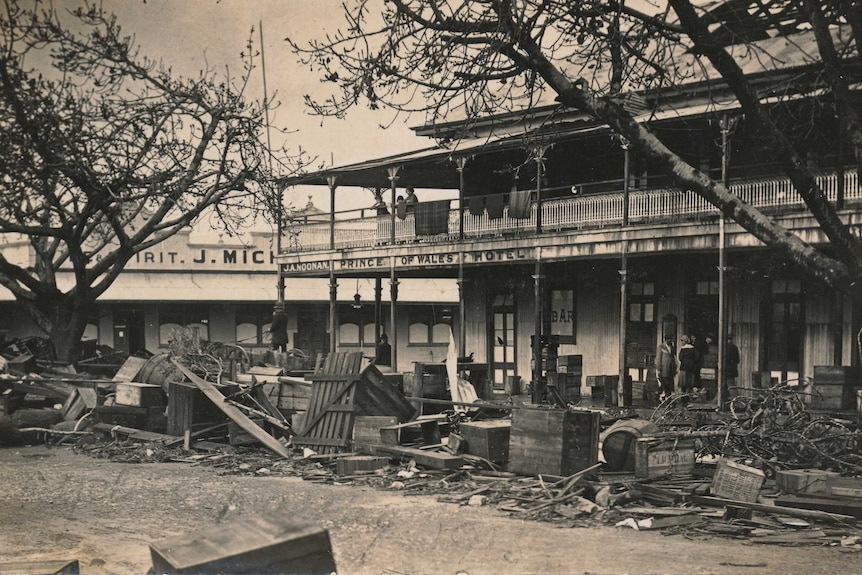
{"points": [[91, 331], [175, 316], [641, 301], [356, 326], [252, 324], [428, 324]]}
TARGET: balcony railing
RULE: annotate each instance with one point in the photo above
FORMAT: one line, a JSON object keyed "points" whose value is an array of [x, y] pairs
{"points": [[587, 211]]}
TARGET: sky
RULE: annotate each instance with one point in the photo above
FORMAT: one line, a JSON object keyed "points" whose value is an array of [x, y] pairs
{"points": [[191, 34]]}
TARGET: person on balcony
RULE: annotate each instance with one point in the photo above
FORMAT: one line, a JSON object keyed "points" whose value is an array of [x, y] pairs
{"points": [[400, 208], [411, 200], [379, 204]]}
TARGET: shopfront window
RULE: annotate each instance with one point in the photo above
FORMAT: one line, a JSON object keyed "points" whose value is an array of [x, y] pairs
{"points": [[175, 316], [252, 324], [356, 326], [428, 324]]}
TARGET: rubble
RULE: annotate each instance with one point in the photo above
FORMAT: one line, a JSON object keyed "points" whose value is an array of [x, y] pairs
{"points": [[769, 469]]}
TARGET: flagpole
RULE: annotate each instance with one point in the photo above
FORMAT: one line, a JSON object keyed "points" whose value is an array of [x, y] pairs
{"points": [[278, 208]]}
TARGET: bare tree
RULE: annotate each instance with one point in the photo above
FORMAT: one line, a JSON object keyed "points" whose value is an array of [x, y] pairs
{"points": [[473, 58], [105, 154]]}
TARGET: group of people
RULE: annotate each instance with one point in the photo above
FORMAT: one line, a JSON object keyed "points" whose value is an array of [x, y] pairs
{"points": [[403, 206], [689, 362]]}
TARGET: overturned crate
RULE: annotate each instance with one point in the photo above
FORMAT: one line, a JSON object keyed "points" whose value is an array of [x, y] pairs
{"points": [[657, 457], [339, 393]]}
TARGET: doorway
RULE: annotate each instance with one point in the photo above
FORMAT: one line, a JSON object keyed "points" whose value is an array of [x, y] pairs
{"points": [[129, 332], [503, 340], [311, 323]]}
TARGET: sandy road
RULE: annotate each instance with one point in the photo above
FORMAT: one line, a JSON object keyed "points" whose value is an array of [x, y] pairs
{"points": [[57, 504]]}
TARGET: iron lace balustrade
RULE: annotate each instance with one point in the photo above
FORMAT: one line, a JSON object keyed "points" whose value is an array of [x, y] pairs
{"points": [[582, 211]]}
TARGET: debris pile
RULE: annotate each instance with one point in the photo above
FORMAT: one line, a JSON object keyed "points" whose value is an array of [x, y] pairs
{"points": [[769, 469]]}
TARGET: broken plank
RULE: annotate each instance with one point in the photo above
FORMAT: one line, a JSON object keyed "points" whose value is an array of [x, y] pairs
{"points": [[195, 434], [150, 436], [435, 460], [789, 511], [43, 567], [234, 413], [810, 535], [661, 511], [133, 433], [842, 505], [130, 369]]}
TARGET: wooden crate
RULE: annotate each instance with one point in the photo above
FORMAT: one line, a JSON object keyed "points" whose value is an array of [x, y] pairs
{"points": [[255, 544], [338, 394], [803, 480], [190, 409], [834, 387], [366, 428], [844, 486], [353, 463], [654, 458], [487, 439], [571, 364], [553, 441], [736, 481], [140, 394], [289, 394], [143, 418]]}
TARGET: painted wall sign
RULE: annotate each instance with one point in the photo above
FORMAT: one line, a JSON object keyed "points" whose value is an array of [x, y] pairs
{"points": [[562, 312], [408, 261], [229, 259]]}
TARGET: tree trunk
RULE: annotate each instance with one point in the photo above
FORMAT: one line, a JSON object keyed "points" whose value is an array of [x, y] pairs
{"points": [[64, 320]]}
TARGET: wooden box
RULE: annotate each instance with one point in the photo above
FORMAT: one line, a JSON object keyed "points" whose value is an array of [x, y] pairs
{"points": [[844, 486], [289, 394], [553, 441], [366, 428], [487, 439], [736, 481], [834, 387], [353, 463], [803, 480], [140, 394], [654, 458], [271, 544], [190, 409], [143, 418], [572, 364]]}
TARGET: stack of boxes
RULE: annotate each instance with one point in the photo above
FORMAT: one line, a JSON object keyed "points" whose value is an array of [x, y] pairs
{"points": [[568, 377]]}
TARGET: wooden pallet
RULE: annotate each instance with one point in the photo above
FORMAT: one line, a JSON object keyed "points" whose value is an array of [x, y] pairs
{"points": [[340, 392]]}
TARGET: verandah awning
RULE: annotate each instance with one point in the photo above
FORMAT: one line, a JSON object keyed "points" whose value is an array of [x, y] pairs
{"points": [[153, 287]]}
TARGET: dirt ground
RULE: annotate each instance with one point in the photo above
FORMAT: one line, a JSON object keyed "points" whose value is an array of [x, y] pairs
{"points": [[59, 504]]}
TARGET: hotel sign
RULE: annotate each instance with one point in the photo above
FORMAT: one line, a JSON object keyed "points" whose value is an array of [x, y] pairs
{"points": [[411, 261]]}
